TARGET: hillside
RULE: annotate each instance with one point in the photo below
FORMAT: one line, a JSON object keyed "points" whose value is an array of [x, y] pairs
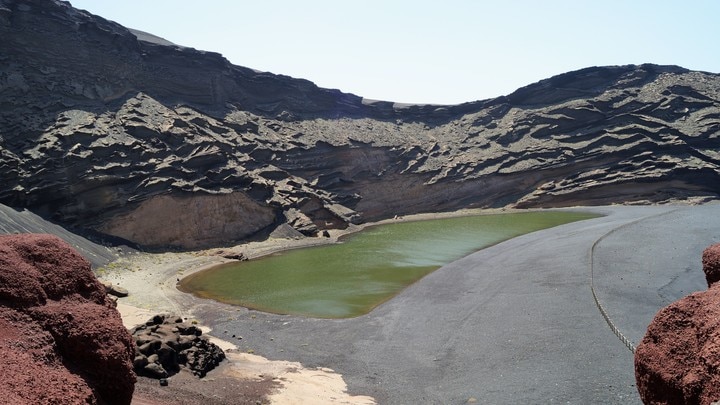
{"points": [[167, 146]]}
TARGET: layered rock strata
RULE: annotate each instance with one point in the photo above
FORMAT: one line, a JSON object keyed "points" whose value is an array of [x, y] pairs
{"points": [[678, 360], [61, 339], [103, 130]]}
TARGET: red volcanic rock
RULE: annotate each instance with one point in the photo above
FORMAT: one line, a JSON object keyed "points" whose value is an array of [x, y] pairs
{"points": [[678, 360], [32, 372], [711, 264], [61, 339]]}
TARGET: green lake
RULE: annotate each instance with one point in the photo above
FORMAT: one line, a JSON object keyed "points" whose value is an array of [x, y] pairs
{"points": [[369, 267]]}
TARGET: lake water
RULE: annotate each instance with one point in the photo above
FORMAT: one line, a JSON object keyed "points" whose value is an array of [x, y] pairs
{"points": [[368, 268]]}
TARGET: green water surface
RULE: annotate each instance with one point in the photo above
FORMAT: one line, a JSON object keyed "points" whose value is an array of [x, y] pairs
{"points": [[353, 277]]}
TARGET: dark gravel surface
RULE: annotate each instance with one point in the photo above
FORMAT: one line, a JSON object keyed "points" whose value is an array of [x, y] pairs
{"points": [[23, 221], [514, 323], [215, 389], [646, 265]]}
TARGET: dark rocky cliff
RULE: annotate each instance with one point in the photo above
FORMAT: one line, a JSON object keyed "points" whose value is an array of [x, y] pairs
{"points": [[171, 146]]}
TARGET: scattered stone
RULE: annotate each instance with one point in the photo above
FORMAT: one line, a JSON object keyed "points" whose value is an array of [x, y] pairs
{"points": [[118, 291], [140, 362], [165, 344], [114, 290], [301, 222], [163, 382], [230, 254], [285, 231], [154, 370]]}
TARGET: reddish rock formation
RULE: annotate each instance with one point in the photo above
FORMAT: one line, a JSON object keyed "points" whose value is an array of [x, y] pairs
{"points": [[678, 360], [711, 264], [61, 339]]}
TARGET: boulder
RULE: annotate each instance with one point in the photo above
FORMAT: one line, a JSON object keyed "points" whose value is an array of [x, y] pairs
{"points": [[115, 290], [711, 264], [678, 360], [229, 254], [62, 339], [301, 222], [154, 370]]}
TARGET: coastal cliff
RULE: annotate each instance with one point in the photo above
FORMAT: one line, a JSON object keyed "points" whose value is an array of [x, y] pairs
{"points": [[120, 133]]}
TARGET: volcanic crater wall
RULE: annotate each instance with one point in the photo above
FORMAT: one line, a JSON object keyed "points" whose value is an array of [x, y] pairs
{"points": [[97, 127]]}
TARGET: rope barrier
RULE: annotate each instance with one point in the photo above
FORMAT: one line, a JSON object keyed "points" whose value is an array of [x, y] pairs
{"points": [[600, 307]]}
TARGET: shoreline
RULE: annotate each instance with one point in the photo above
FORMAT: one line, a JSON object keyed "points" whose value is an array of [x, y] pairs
{"points": [[155, 292], [151, 279]]}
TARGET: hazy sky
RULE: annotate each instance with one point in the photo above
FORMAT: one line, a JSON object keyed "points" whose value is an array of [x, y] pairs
{"points": [[442, 51]]}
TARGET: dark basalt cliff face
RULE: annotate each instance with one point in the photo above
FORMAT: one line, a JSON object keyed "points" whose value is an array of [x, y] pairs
{"points": [[169, 146]]}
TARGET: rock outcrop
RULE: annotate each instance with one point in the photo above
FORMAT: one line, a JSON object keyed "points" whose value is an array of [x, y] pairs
{"points": [[678, 360], [101, 127], [62, 340], [711, 264], [165, 344]]}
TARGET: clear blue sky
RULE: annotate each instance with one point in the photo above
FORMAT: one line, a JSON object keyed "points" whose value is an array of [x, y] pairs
{"points": [[419, 51]]}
